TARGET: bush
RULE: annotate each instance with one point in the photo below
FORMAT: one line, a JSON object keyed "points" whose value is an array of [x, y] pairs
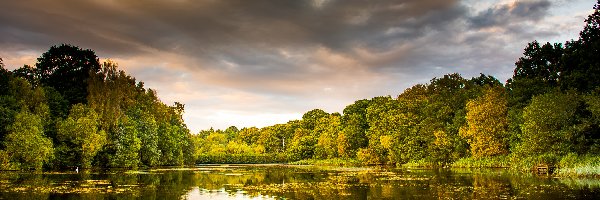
{"points": [[241, 158], [328, 162], [5, 161], [368, 157]]}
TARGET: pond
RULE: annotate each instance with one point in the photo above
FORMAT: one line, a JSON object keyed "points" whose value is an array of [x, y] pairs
{"points": [[294, 182]]}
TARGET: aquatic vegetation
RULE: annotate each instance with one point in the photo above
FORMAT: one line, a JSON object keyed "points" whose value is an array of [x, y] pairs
{"points": [[294, 182]]}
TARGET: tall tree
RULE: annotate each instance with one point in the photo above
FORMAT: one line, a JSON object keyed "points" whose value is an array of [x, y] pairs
{"points": [[80, 136], [355, 126], [26, 144], [550, 124], [5, 76], [537, 72], [410, 144], [125, 145], [486, 129], [67, 69], [444, 115], [310, 118], [581, 69], [329, 128]]}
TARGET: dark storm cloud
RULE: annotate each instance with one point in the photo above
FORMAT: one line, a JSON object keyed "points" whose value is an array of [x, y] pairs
{"points": [[207, 26], [510, 13]]}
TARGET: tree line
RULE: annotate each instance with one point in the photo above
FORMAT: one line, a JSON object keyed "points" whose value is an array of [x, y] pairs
{"points": [[72, 111], [547, 112]]}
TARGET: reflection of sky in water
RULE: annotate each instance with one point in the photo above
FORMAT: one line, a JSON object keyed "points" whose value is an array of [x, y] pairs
{"points": [[197, 193]]}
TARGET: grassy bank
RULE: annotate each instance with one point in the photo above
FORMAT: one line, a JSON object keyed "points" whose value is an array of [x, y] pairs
{"points": [[579, 165], [570, 165], [490, 162]]}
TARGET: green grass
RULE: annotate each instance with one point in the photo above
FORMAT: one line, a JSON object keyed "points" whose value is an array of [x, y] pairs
{"points": [[489, 162], [573, 165]]}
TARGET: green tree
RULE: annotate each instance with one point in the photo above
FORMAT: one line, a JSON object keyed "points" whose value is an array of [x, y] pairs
{"points": [[537, 72], [444, 114], [215, 142], [5, 77], [355, 126], [249, 135], [302, 146], [21, 96], [270, 139], [409, 143], [581, 69], [26, 143], [125, 145], [486, 129], [329, 128], [231, 132], [383, 115], [147, 130], [550, 124], [310, 118], [80, 136], [592, 133], [111, 92]]}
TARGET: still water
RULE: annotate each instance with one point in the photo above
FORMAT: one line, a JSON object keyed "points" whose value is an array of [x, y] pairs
{"points": [[294, 182]]}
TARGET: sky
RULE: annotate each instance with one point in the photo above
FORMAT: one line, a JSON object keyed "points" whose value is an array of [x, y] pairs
{"points": [[258, 63]]}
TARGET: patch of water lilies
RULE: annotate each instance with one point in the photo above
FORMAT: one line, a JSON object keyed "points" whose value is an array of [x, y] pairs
{"points": [[81, 187]]}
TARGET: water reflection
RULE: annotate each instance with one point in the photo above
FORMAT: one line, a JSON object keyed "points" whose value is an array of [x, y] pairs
{"points": [[293, 182]]}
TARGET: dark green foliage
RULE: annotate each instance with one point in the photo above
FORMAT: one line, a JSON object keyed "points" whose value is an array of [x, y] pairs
{"points": [[5, 77], [355, 126], [581, 69], [241, 158], [67, 69], [28, 73], [85, 117]]}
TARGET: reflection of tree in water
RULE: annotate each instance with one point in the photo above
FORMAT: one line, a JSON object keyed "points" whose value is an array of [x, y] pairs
{"points": [[167, 185], [486, 186], [293, 183]]}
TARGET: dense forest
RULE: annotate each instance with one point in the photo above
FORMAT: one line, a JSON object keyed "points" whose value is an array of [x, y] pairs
{"points": [[548, 112], [70, 110]]}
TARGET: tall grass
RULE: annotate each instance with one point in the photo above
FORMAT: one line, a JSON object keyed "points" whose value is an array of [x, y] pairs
{"points": [[579, 165], [488, 162]]}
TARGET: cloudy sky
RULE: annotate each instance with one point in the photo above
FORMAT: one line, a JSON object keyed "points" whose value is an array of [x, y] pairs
{"points": [[259, 62]]}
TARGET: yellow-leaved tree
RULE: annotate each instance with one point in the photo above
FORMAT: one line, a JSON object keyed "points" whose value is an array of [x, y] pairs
{"points": [[486, 129]]}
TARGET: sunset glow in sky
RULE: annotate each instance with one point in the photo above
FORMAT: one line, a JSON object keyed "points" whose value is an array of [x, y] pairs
{"points": [[259, 63]]}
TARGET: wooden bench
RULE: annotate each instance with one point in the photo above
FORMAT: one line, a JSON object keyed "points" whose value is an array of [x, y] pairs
{"points": [[544, 169]]}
